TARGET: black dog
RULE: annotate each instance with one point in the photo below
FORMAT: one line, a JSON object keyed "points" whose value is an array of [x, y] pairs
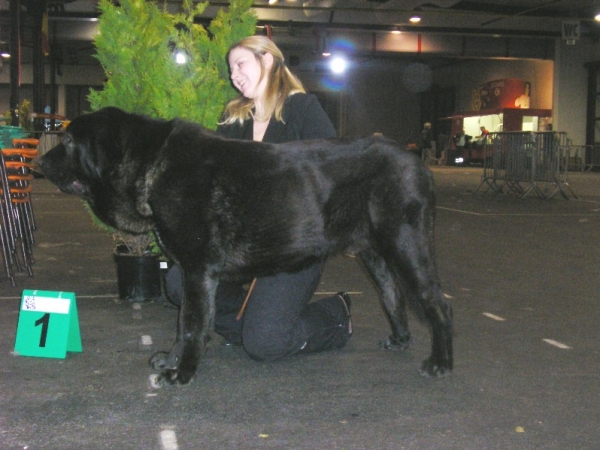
{"points": [[224, 209]]}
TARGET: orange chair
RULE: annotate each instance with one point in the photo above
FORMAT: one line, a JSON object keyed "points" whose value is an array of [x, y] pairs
{"points": [[10, 231], [19, 164], [18, 223], [26, 142]]}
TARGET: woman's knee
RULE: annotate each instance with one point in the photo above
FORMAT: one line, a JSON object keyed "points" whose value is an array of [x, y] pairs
{"points": [[265, 347]]}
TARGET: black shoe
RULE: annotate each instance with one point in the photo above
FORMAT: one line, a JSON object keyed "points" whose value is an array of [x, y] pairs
{"points": [[345, 297]]}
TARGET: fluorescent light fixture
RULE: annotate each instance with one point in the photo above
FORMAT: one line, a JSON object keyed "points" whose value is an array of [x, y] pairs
{"points": [[414, 19], [4, 50], [597, 17]]}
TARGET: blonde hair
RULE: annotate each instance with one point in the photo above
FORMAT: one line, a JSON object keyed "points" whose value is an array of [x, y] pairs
{"points": [[281, 83]]}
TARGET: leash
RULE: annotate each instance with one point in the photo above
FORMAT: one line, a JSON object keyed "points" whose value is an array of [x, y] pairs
{"points": [[250, 289]]}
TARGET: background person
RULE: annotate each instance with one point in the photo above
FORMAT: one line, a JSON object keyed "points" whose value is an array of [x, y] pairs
{"points": [[460, 142], [278, 320], [484, 133], [426, 139]]}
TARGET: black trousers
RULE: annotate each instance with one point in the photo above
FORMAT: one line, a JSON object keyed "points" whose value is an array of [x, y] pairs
{"points": [[279, 319]]}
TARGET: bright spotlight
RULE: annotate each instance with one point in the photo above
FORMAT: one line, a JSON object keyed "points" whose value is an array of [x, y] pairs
{"points": [[338, 65], [181, 57]]}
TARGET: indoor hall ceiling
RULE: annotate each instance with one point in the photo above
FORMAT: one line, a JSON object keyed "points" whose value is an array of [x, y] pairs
{"points": [[468, 24]]}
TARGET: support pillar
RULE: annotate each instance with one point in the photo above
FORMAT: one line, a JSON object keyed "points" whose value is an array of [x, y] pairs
{"points": [[15, 60]]}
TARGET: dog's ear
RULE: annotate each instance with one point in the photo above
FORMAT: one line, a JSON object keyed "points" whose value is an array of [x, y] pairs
{"points": [[110, 143], [98, 141]]}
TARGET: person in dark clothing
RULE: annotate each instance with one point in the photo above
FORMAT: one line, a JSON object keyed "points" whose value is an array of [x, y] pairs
{"points": [[426, 138], [461, 148], [278, 319]]}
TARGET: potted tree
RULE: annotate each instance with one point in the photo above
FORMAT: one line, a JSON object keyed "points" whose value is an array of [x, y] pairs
{"points": [[137, 258], [163, 65]]}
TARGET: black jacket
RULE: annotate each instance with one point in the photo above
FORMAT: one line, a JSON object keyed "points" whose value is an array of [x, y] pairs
{"points": [[304, 119]]}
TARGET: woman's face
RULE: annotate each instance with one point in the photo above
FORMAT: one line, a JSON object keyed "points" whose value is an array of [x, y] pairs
{"points": [[245, 70]]}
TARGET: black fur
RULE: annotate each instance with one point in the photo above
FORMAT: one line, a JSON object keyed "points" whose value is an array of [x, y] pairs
{"points": [[229, 209]]}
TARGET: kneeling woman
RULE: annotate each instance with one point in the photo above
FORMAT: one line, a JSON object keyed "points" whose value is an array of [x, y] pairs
{"points": [[279, 320]]}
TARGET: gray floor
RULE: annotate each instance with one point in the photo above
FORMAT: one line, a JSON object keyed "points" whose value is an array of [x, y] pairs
{"points": [[517, 271]]}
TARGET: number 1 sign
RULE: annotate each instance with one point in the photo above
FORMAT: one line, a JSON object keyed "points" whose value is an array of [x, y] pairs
{"points": [[48, 324]]}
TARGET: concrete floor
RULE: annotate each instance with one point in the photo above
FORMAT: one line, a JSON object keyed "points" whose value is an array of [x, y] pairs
{"points": [[517, 271]]}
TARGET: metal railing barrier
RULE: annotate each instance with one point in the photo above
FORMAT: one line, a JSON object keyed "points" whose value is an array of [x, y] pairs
{"points": [[527, 162]]}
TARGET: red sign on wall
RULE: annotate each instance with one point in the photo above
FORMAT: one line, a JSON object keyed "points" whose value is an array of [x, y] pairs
{"points": [[506, 93]]}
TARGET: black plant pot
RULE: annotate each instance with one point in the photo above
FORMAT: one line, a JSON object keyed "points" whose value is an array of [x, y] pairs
{"points": [[138, 277]]}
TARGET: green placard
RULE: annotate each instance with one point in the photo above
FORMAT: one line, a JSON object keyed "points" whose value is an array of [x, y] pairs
{"points": [[48, 324]]}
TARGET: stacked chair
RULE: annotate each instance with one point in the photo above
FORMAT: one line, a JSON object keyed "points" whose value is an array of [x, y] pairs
{"points": [[17, 221]]}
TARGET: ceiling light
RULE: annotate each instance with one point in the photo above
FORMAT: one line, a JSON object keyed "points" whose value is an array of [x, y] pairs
{"points": [[272, 2], [597, 17], [4, 51], [415, 19], [338, 65], [395, 30]]}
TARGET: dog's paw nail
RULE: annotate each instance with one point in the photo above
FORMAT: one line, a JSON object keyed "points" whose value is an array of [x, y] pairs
{"points": [[395, 344], [161, 361], [429, 369], [155, 381]]}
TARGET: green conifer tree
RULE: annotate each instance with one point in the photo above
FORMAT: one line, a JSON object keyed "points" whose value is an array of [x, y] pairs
{"points": [[136, 46]]}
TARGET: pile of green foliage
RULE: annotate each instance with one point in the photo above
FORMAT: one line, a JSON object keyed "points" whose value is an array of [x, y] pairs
{"points": [[136, 44]]}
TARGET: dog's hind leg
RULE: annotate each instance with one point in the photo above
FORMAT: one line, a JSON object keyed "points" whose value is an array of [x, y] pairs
{"points": [[439, 316], [412, 260], [406, 272], [393, 299]]}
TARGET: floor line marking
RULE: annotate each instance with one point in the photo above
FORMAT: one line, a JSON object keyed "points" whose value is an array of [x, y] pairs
{"points": [[494, 316], [334, 293], [168, 440], [472, 213], [557, 344]]}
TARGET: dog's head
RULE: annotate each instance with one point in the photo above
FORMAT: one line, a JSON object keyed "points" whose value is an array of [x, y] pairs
{"points": [[91, 146]]}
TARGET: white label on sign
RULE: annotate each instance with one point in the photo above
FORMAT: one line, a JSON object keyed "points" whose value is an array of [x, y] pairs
{"points": [[46, 304]]}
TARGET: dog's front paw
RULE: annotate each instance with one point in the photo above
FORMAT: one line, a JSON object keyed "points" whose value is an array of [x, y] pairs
{"points": [[167, 364], [168, 360], [178, 366], [164, 361], [395, 343], [170, 378], [433, 368], [160, 380]]}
